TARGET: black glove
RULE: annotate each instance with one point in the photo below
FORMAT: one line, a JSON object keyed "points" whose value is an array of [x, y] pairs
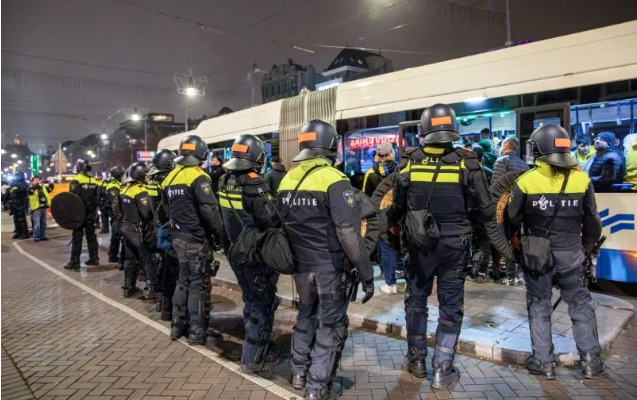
{"points": [[368, 288]]}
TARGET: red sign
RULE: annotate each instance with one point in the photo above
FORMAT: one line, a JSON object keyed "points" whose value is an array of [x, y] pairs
{"points": [[370, 141]]}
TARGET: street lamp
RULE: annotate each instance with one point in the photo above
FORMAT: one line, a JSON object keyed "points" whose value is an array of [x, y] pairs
{"points": [[191, 86], [139, 114], [14, 155]]}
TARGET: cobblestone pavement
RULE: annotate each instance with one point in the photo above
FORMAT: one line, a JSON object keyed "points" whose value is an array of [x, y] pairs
{"points": [[72, 345]]}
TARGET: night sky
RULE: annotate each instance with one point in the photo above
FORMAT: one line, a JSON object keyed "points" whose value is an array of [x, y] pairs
{"points": [[71, 67]]}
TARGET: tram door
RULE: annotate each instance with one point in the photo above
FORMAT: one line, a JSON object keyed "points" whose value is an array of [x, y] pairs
{"points": [[529, 119]]}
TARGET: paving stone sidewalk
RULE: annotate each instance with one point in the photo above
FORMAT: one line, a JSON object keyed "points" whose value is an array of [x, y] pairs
{"points": [[370, 367]]}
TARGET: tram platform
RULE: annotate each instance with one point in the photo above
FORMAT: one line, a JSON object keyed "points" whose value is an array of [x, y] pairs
{"points": [[495, 325]]}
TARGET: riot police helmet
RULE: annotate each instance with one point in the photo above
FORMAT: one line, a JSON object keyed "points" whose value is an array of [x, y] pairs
{"points": [[317, 138], [137, 172], [552, 144], [248, 151], [117, 172], [438, 124], [19, 176], [83, 166], [162, 162], [192, 151]]}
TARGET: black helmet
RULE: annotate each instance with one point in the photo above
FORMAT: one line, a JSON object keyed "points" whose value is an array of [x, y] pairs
{"points": [[438, 124], [192, 151], [117, 172], [83, 166], [19, 176], [316, 139], [163, 161], [248, 152], [137, 172], [552, 144]]}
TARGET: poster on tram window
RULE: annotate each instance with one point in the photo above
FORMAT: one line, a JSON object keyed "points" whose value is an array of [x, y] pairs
{"points": [[360, 147]]}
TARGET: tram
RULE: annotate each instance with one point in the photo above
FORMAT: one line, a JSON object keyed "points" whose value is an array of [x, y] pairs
{"points": [[586, 82]]}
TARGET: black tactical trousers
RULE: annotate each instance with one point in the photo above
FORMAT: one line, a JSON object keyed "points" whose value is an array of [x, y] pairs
{"points": [[446, 263], [191, 301], [87, 229], [321, 327], [258, 287], [167, 280], [580, 309], [20, 222], [137, 256], [116, 238], [105, 213]]}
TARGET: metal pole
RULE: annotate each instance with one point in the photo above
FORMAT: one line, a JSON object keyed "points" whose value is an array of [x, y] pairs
{"points": [[186, 115], [509, 42], [145, 134]]}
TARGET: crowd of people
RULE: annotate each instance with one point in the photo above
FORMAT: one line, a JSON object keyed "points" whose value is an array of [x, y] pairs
{"points": [[427, 215]]}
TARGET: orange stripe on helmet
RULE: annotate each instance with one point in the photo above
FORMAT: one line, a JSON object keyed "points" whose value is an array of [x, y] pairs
{"points": [[562, 142], [241, 148], [188, 146], [441, 120], [307, 137]]}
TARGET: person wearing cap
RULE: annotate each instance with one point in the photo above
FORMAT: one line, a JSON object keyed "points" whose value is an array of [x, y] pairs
{"points": [[443, 183], [318, 206], [246, 203], [384, 165], [39, 202], [607, 166], [275, 176], [583, 151], [557, 201], [196, 220], [84, 186]]}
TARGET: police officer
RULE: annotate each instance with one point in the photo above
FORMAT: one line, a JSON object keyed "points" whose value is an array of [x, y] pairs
{"points": [[168, 271], [136, 213], [113, 187], [85, 187], [324, 227], [195, 215], [18, 199], [446, 182], [575, 231], [246, 203]]}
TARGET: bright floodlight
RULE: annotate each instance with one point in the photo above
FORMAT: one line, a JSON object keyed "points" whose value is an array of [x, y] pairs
{"points": [[19, 161], [135, 117], [14, 155], [104, 136], [190, 85]]}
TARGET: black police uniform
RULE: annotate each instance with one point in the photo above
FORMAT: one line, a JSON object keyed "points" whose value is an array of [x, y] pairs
{"points": [[324, 227], [113, 188], [575, 230], [195, 215], [136, 213], [168, 271], [18, 200], [104, 206], [460, 184], [245, 202], [85, 186]]}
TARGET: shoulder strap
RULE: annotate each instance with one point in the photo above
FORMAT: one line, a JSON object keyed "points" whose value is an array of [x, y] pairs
{"points": [[293, 195], [557, 205]]}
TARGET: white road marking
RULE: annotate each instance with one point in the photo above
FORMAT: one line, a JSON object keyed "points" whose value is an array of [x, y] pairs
{"points": [[262, 382]]}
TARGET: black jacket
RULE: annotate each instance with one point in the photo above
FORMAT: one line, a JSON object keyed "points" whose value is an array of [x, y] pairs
{"points": [[274, 178], [215, 173], [509, 162], [376, 174], [606, 168]]}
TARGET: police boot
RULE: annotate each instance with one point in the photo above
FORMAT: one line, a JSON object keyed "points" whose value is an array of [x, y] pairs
{"points": [[178, 327], [150, 292], [73, 264], [298, 381], [414, 364], [197, 335], [93, 261], [444, 375], [166, 308], [129, 288], [330, 392], [592, 365], [536, 366]]}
